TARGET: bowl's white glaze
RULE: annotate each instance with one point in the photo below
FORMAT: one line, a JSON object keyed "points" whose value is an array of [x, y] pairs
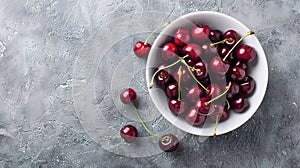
{"points": [[259, 72]]}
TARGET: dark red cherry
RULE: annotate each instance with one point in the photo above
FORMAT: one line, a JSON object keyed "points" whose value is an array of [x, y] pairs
{"points": [[218, 66], [239, 103], [177, 106], [202, 106], [127, 96], [194, 93], [172, 90], [200, 70], [214, 90], [182, 36], [169, 52], [233, 90], [247, 85], [194, 118], [221, 111], [189, 61], [185, 75], [231, 36], [222, 50], [193, 50], [236, 73], [205, 81], [200, 33], [168, 143], [141, 49], [163, 77], [215, 35], [245, 53], [129, 133]]}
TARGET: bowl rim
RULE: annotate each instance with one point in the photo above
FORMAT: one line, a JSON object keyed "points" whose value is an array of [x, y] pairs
{"points": [[262, 55]]}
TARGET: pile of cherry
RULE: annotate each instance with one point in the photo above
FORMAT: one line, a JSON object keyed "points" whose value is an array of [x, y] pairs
{"points": [[203, 73]]}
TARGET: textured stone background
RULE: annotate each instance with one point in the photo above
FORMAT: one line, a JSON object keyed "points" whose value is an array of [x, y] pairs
{"points": [[41, 39]]}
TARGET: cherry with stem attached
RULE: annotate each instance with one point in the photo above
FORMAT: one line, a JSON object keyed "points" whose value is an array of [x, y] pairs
{"points": [[177, 106], [162, 68], [167, 143], [217, 116], [237, 43], [141, 49]]}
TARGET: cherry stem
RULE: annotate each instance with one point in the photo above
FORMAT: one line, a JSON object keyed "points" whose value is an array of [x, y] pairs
{"points": [[142, 122], [169, 66], [216, 125], [219, 95], [228, 104], [148, 37], [183, 61], [193, 68], [179, 79], [237, 43], [221, 42]]}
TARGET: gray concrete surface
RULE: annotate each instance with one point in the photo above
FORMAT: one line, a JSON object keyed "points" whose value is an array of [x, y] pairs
{"points": [[41, 44]]}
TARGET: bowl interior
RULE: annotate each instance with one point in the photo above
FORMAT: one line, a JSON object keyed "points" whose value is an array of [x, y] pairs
{"points": [[259, 71]]}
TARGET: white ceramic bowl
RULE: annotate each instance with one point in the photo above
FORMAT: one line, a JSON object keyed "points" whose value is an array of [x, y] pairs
{"points": [[259, 72]]}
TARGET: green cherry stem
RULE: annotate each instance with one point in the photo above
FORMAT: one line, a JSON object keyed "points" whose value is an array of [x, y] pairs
{"points": [[142, 122], [221, 42], [228, 104], [179, 79], [169, 66], [183, 61], [216, 125], [148, 37], [219, 95], [237, 43]]}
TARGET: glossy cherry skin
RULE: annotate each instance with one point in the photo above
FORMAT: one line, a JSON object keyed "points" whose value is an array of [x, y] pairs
{"points": [[169, 52], [194, 118], [214, 90], [202, 106], [168, 143], [185, 76], [221, 111], [236, 73], [233, 90], [141, 49], [200, 70], [194, 93], [127, 96], [182, 37], [193, 50], [245, 53], [215, 35], [129, 133], [232, 37], [190, 62], [247, 86], [200, 33], [162, 77], [222, 50], [218, 66], [172, 90], [177, 106], [239, 103]]}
